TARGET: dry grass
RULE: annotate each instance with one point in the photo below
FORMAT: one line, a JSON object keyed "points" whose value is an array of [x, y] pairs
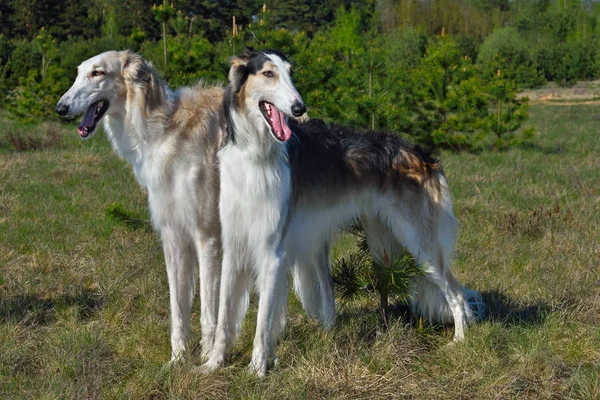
{"points": [[84, 299], [48, 135]]}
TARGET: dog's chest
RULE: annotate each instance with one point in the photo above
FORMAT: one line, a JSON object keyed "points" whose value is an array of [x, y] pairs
{"points": [[173, 194], [255, 193]]}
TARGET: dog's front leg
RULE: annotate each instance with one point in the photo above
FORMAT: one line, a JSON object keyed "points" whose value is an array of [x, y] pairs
{"points": [[272, 307], [181, 272], [210, 258], [233, 304]]}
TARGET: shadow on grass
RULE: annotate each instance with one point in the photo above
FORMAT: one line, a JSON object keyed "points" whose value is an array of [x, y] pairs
{"points": [[498, 308], [35, 310], [501, 308], [369, 323], [119, 215]]}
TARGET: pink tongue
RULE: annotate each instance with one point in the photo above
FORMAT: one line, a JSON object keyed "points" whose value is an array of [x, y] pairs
{"points": [[280, 127]]}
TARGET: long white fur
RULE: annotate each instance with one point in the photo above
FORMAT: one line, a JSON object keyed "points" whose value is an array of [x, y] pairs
{"points": [[254, 204], [170, 173]]}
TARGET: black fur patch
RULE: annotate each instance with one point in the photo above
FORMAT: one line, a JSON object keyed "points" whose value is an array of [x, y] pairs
{"points": [[255, 60], [332, 157]]}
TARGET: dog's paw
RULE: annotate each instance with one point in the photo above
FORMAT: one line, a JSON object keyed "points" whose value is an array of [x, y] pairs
{"points": [[260, 363], [258, 369], [175, 361], [210, 366]]}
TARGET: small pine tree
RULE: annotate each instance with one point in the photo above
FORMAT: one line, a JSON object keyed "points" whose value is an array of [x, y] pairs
{"points": [[47, 47], [163, 13], [389, 275], [507, 114]]}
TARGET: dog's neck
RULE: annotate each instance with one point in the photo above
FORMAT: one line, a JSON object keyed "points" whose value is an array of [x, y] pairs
{"points": [[248, 132], [142, 117]]}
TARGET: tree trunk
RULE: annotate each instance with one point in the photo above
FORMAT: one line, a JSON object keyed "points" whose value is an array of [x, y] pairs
{"points": [[371, 90], [164, 32], [383, 307]]}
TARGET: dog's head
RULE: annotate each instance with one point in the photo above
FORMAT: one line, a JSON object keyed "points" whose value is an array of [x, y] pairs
{"points": [[100, 86], [262, 83]]}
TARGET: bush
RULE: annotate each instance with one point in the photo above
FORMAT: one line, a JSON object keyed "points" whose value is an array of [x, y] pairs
{"points": [[506, 115], [507, 51], [22, 56], [76, 50], [33, 100], [450, 101], [358, 275]]}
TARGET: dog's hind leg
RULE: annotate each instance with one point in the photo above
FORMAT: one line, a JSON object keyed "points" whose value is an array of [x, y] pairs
{"points": [[431, 243], [313, 284], [326, 286], [180, 259], [380, 239], [210, 258]]}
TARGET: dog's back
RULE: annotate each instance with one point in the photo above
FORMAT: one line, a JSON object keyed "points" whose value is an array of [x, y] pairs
{"points": [[337, 158]]}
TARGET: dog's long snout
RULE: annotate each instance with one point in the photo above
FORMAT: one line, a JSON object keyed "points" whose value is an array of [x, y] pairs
{"points": [[298, 109], [61, 109]]}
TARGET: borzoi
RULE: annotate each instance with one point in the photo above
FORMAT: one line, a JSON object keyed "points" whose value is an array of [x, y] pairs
{"points": [[171, 141], [281, 200]]}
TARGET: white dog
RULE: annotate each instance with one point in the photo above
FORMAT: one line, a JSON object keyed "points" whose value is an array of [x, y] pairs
{"points": [[170, 139]]}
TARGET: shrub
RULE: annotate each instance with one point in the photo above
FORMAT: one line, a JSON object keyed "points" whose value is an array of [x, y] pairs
{"points": [[450, 102], [506, 115], [22, 57], [506, 50], [359, 275], [33, 100]]}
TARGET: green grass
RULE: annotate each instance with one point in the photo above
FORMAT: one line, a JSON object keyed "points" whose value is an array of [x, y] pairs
{"points": [[84, 299]]}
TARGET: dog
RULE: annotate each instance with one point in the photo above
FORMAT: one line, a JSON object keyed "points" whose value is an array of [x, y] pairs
{"points": [[286, 188], [171, 141]]}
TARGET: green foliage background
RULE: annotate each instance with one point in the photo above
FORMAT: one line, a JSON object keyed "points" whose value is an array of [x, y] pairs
{"points": [[443, 72]]}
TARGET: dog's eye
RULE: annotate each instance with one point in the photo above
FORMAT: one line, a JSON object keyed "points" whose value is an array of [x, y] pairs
{"points": [[98, 73], [268, 74]]}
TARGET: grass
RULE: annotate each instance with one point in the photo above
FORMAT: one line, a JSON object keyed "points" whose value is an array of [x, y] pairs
{"points": [[84, 299]]}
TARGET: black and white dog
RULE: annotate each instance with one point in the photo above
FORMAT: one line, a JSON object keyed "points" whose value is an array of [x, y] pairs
{"points": [[282, 200]]}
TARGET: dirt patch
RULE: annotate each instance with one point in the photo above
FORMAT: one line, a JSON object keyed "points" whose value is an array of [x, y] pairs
{"points": [[552, 94]]}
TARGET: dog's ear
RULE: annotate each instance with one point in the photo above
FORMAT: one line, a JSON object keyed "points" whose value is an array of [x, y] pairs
{"points": [[135, 68], [247, 52], [237, 70]]}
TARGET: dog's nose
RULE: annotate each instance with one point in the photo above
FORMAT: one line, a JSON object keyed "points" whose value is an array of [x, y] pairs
{"points": [[61, 109], [298, 109]]}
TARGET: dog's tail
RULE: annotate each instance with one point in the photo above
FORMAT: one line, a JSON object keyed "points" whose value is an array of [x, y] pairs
{"points": [[428, 301]]}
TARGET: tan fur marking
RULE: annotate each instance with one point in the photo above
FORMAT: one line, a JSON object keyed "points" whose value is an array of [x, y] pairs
{"points": [[142, 80], [356, 161], [413, 167], [197, 106]]}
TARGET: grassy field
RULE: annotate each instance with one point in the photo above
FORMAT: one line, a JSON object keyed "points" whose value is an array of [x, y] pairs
{"points": [[84, 300]]}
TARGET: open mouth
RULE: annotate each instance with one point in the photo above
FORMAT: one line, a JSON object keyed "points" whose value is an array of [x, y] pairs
{"points": [[276, 120], [92, 116]]}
